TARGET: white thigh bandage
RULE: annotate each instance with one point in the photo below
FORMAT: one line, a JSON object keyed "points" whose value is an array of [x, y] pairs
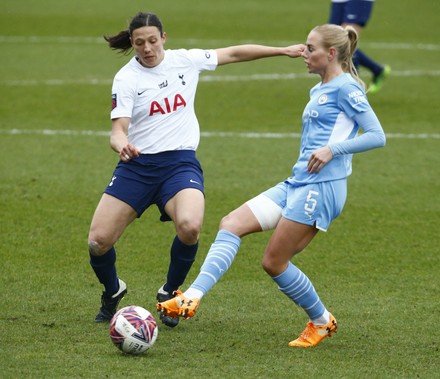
{"points": [[267, 212]]}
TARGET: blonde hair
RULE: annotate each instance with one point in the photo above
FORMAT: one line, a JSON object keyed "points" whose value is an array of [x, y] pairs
{"points": [[344, 40]]}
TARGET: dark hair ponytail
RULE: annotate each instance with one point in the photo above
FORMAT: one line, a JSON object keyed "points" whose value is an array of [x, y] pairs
{"points": [[122, 41]]}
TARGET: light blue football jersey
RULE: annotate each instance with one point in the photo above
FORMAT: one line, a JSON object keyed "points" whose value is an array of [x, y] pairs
{"points": [[328, 119]]}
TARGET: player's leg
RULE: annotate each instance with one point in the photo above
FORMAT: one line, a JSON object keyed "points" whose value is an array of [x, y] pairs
{"points": [[110, 219], [357, 12], [220, 256], [290, 238], [222, 252], [181, 200], [337, 11], [308, 209], [258, 214], [186, 209]]}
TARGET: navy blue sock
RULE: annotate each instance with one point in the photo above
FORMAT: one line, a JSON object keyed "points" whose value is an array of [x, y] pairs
{"points": [[361, 59], [105, 270], [182, 258]]}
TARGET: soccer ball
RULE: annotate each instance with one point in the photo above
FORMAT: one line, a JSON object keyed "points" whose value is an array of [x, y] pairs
{"points": [[133, 330]]}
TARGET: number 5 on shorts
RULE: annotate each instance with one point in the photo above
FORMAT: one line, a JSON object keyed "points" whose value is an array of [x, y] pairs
{"points": [[311, 202]]}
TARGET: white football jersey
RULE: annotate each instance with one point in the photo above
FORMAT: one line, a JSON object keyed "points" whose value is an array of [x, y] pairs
{"points": [[160, 100]]}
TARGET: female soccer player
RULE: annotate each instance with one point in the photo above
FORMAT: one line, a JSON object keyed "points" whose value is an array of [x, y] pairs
{"points": [[306, 202], [155, 132]]}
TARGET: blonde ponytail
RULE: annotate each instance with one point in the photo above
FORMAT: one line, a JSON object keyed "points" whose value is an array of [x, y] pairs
{"points": [[353, 41], [344, 40]]}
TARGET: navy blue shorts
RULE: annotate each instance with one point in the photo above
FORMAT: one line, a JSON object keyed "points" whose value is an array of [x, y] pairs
{"points": [[155, 179], [352, 11]]}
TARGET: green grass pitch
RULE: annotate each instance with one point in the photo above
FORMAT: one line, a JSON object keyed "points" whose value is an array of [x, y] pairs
{"points": [[377, 268]]}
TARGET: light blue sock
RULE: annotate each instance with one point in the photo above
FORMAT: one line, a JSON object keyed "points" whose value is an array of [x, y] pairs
{"points": [[298, 287], [217, 262]]}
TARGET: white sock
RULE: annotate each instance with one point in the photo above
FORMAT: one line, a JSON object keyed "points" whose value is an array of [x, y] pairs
{"points": [[323, 320], [192, 293]]}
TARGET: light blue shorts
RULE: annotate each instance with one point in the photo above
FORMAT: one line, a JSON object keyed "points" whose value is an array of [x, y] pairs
{"points": [[315, 204]]}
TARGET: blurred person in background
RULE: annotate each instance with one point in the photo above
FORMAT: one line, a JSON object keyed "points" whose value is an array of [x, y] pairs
{"points": [[356, 13]]}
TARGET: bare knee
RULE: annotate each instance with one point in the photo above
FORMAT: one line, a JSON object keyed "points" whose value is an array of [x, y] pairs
{"points": [[228, 223], [270, 266], [240, 222], [274, 264], [97, 249], [188, 231], [273, 267]]}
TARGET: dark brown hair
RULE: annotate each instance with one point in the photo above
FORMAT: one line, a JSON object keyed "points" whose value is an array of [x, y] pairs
{"points": [[122, 42]]}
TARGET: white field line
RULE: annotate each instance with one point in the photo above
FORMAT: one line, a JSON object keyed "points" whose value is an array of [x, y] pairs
{"points": [[55, 132], [205, 78], [203, 43]]}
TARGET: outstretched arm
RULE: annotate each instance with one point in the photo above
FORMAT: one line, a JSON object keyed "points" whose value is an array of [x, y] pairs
{"points": [[243, 53]]}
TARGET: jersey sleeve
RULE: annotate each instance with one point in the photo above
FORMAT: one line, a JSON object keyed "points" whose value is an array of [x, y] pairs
{"points": [[373, 136], [354, 103], [204, 60], [122, 97], [352, 99]]}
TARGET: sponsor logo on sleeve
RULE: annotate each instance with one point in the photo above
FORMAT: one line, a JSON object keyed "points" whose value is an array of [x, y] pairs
{"points": [[357, 96]]}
